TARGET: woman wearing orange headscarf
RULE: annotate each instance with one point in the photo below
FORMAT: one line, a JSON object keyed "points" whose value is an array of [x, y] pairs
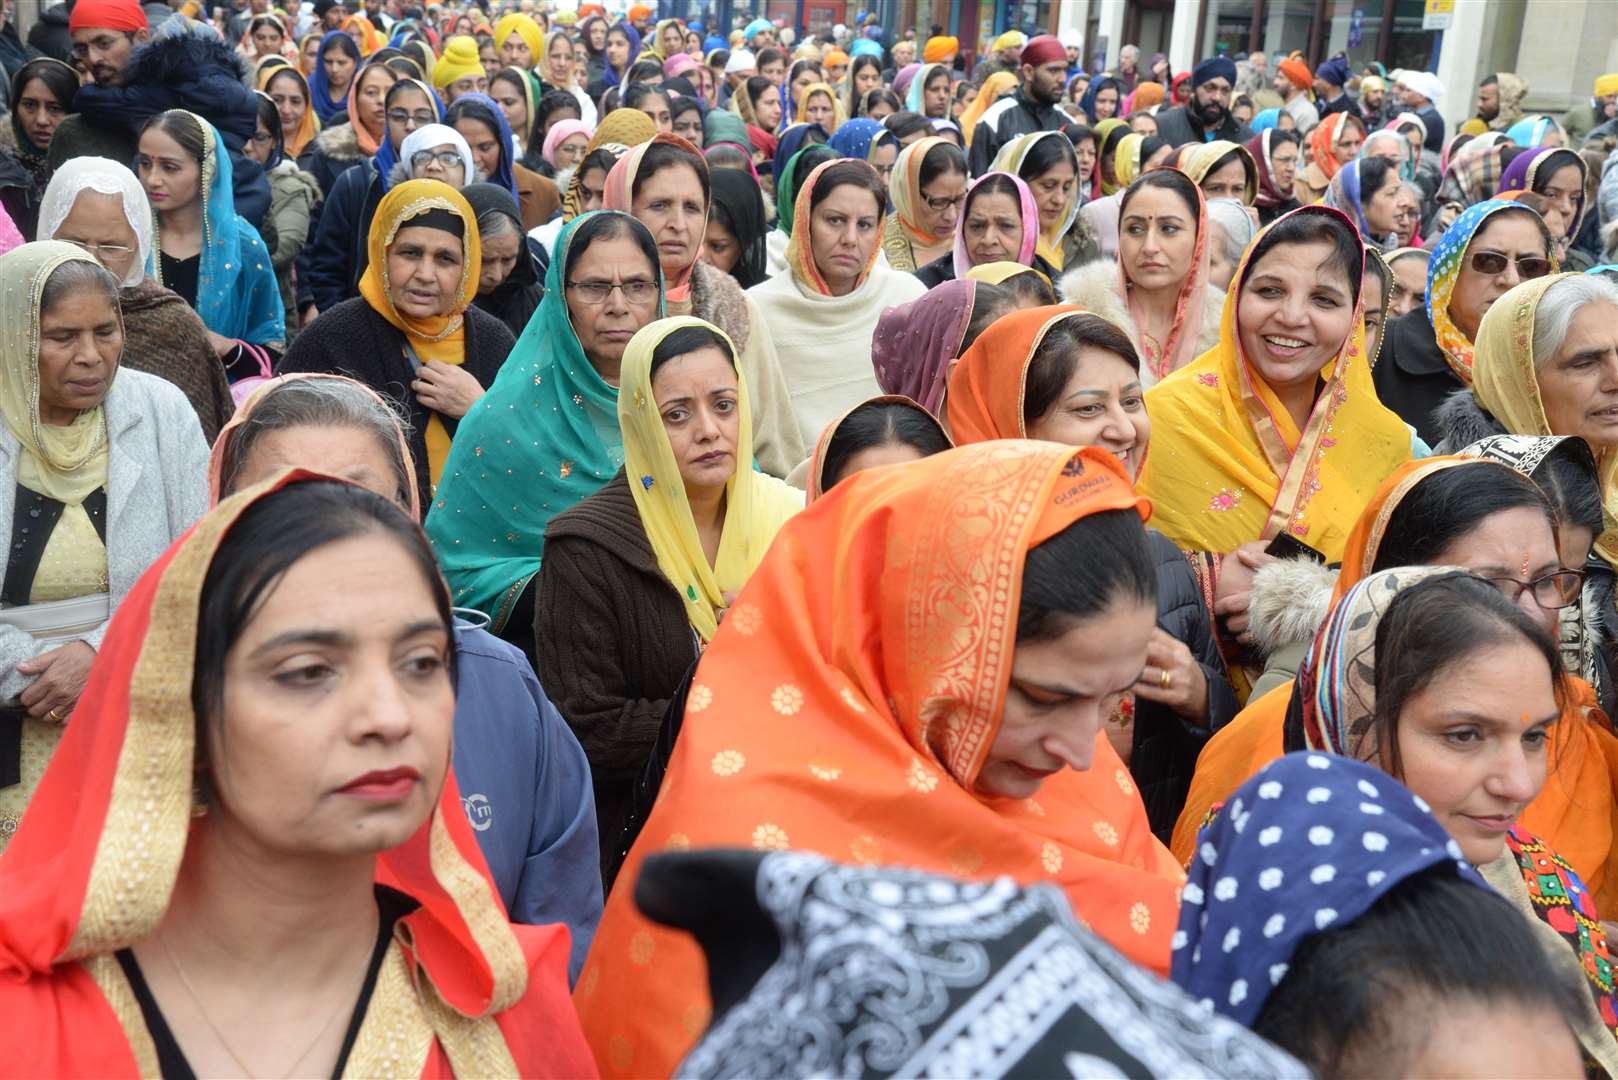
{"points": [[889, 634], [1333, 143], [158, 827]]}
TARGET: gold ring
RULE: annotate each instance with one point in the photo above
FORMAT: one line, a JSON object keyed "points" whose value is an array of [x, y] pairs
{"points": [[1165, 679], [53, 715]]}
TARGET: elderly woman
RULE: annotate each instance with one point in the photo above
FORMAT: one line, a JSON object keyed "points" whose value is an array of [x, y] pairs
{"points": [[98, 205], [106, 468], [411, 335], [328, 844], [637, 576], [1492, 247], [845, 759], [824, 310], [509, 286], [1230, 230]]}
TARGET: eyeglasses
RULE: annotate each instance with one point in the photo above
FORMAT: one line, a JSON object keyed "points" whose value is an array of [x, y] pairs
{"points": [[636, 291], [262, 138], [449, 159], [1552, 591], [96, 251], [938, 206], [420, 119], [1493, 263]]}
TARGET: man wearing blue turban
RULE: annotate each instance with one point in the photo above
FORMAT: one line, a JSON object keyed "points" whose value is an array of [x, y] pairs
{"points": [[1206, 117]]}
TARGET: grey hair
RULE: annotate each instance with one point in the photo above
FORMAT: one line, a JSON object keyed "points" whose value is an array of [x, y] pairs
{"points": [[78, 275], [319, 401], [1234, 225], [1560, 303], [496, 222]]}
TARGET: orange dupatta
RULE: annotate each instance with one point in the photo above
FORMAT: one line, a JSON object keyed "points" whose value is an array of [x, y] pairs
{"points": [[368, 140], [846, 706], [1323, 142], [800, 249], [92, 867], [984, 402]]}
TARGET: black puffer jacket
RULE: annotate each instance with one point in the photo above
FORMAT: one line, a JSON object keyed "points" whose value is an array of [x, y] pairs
{"points": [[1412, 375], [1166, 747]]}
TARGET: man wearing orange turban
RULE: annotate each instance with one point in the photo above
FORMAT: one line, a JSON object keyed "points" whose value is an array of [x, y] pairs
{"points": [[941, 50], [1292, 81]]}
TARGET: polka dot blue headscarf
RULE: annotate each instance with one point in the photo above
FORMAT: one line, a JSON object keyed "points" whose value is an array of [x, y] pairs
{"points": [[1311, 842]]}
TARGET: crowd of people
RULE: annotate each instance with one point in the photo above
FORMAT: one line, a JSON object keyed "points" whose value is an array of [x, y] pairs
{"points": [[550, 543]]}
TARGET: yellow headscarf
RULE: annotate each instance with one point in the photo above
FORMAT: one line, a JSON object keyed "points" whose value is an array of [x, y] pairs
{"points": [[1227, 463], [653, 45], [1506, 383], [304, 65], [837, 113], [1010, 159], [370, 41], [460, 59], [309, 126], [526, 28], [66, 463], [756, 505], [1126, 161], [994, 88], [623, 127], [442, 337], [998, 273]]}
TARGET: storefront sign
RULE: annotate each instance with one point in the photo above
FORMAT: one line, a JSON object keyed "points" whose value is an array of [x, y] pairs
{"points": [[1436, 14]]}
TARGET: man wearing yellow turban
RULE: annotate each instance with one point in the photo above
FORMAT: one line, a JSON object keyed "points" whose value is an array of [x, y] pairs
{"points": [[941, 50], [1582, 118], [459, 71], [519, 41], [1007, 49]]}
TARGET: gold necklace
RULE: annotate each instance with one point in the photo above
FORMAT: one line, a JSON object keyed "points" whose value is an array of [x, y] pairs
{"points": [[196, 999]]}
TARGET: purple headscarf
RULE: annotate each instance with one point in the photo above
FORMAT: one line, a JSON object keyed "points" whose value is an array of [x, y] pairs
{"points": [[1528, 167], [915, 342]]}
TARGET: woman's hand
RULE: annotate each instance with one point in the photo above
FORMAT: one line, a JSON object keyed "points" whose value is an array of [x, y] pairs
{"points": [[1173, 677], [446, 388], [1234, 592], [221, 345], [61, 676]]}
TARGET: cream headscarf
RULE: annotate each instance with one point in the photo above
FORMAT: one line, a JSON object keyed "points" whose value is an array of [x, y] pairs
{"points": [[66, 463], [106, 177]]}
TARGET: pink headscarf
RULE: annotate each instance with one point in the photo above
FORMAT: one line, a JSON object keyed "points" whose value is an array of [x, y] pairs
{"points": [[1180, 348], [679, 64], [914, 343], [1030, 226], [561, 131], [10, 236]]}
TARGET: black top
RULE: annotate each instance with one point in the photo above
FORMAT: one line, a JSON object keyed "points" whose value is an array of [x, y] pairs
{"points": [[1412, 375], [181, 274], [33, 520], [391, 905]]}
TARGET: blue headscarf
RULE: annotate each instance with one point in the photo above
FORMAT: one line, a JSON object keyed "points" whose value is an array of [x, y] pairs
{"points": [[865, 47], [755, 27], [387, 155], [1531, 131], [712, 42], [1088, 101], [320, 98], [857, 138], [237, 294], [1311, 842], [609, 77], [503, 174], [1264, 120], [792, 140]]}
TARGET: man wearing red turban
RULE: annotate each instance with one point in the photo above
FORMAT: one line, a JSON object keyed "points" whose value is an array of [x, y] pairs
{"points": [[1030, 108]]}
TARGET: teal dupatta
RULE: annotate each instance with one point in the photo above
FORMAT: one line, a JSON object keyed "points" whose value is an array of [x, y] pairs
{"points": [[541, 439]]}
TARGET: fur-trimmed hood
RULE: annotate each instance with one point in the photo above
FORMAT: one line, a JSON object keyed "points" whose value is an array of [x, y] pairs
{"points": [[191, 71], [1291, 598], [340, 144], [1463, 422], [1094, 287]]}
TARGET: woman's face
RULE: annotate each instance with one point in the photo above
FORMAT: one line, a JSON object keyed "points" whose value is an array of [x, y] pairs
{"points": [[617, 50], [310, 54], [1563, 189], [935, 95], [435, 163], [1106, 103], [720, 250], [670, 205], [1286, 122], [98, 219], [570, 151], [485, 144], [843, 232], [874, 457], [604, 328], [1229, 181], [1512, 236], [1156, 160], [866, 79], [1085, 151], [371, 94], [514, 52], [334, 737], [688, 126], [499, 260], [592, 182], [40, 112], [941, 203], [1409, 285], [171, 177], [267, 40], [408, 111], [489, 57], [1053, 190], [347, 453], [581, 57], [559, 56], [673, 40], [819, 110], [1515, 545], [80, 340], [424, 271], [1101, 405], [963, 99], [696, 394], [1157, 239], [767, 107], [512, 103], [1348, 143], [703, 78], [290, 103], [882, 159], [1578, 384], [1406, 211], [1472, 743], [1242, 114], [1294, 314], [1382, 205], [1220, 268], [261, 145], [1062, 691], [993, 229], [1144, 124], [339, 70], [880, 110], [1376, 306], [805, 77], [598, 35]]}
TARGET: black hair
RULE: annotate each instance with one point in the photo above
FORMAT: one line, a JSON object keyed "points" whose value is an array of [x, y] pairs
{"points": [[290, 72], [599, 158], [1030, 285], [1044, 156], [812, 158], [1053, 362], [1132, 117], [879, 423], [466, 108], [1348, 251], [769, 55], [682, 103], [1292, 136], [58, 79], [1359, 998], [343, 44], [270, 117], [1447, 505], [635, 95], [1149, 146], [611, 226], [1169, 180], [400, 87], [370, 66], [383, 55], [757, 85], [662, 155], [940, 72], [641, 70], [849, 172], [609, 100], [183, 128], [270, 537], [884, 95], [1239, 153], [1375, 266], [1374, 172], [856, 106], [553, 102], [1082, 570], [940, 160], [1489, 80], [404, 67], [905, 123], [994, 183], [1077, 133], [989, 302], [688, 339], [1433, 625], [727, 156], [1546, 169], [75, 276], [1569, 478]]}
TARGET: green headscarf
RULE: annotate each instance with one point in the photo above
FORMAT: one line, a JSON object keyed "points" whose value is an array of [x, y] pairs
{"points": [[721, 126], [541, 439], [792, 178]]}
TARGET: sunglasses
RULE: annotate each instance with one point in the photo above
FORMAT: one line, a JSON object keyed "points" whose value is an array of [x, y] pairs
{"points": [[1493, 263]]}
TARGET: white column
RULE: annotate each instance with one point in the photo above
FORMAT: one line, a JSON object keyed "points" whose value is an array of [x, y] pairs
{"points": [[1112, 28], [1461, 62], [1070, 15], [1565, 44], [1184, 49]]}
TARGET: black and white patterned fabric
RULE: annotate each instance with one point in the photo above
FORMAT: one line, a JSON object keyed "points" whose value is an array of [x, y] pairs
{"points": [[883, 972]]}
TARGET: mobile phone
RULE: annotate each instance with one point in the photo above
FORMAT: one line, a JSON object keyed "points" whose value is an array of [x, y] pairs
{"points": [[1287, 546]]}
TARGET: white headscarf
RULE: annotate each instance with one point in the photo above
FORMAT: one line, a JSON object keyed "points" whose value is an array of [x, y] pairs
{"points": [[425, 138], [106, 177]]}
